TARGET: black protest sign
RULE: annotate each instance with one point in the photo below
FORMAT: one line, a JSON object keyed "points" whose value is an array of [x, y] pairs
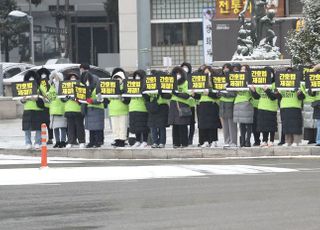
{"points": [[168, 83], [132, 88], [198, 82], [110, 88], [151, 84], [24, 89], [237, 81], [80, 93], [287, 81], [66, 88], [313, 81], [304, 70], [219, 82], [259, 77]]}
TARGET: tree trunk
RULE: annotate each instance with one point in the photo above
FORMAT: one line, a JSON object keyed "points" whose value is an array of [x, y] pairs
{"points": [[6, 49]]}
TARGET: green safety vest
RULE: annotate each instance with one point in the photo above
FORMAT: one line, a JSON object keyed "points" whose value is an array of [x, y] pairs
{"points": [[56, 105], [72, 106], [137, 104], [227, 99], [265, 103], [308, 99], [94, 97], [31, 105], [117, 107], [290, 100], [183, 88], [160, 101], [242, 96]]}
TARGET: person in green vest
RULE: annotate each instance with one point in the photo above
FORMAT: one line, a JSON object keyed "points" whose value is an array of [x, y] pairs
{"points": [[291, 115], [230, 131], [56, 109], [32, 116], [208, 114], [158, 109], [316, 106], [309, 123], [267, 111], [243, 112], [118, 111], [138, 115], [192, 103], [179, 110], [44, 73], [75, 119], [94, 115]]}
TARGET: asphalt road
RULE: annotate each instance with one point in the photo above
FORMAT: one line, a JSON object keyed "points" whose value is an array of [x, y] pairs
{"points": [[257, 201]]}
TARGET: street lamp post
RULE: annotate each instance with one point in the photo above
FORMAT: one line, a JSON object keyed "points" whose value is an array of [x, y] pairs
{"points": [[20, 14]]}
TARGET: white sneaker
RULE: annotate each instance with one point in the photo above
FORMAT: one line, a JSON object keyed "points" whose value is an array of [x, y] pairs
{"points": [[82, 146], [264, 144], [233, 145], [205, 145], [143, 145], [214, 144], [69, 146], [161, 146], [285, 145], [37, 146], [294, 145], [226, 146], [136, 145], [271, 144], [28, 146]]}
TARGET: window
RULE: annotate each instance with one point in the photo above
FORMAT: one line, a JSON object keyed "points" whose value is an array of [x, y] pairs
{"points": [[295, 7], [11, 72]]}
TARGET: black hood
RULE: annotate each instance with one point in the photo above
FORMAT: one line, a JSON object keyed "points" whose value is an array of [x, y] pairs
{"points": [[139, 72], [187, 65], [116, 70], [44, 71], [183, 74], [30, 74]]}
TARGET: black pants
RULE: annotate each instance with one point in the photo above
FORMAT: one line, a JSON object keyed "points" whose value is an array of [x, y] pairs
{"points": [[75, 130], [310, 135], [180, 135], [191, 127], [256, 134], [266, 135], [96, 137], [245, 134], [142, 137], [208, 135]]}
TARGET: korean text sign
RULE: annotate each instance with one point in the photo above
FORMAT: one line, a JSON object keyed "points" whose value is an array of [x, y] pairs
{"points": [[24, 89], [198, 82], [287, 81], [259, 77], [132, 88], [167, 83], [110, 88], [151, 84], [313, 81], [237, 81], [80, 93], [66, 88]]}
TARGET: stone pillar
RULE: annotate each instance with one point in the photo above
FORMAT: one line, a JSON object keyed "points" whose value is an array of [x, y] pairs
{"points": [[128, 34]]}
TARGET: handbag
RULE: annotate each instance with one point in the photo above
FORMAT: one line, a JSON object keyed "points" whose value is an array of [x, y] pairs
{"points": [[184, 111]]}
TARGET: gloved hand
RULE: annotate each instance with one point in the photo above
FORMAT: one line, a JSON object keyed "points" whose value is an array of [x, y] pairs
{"points": [[89, 101]]}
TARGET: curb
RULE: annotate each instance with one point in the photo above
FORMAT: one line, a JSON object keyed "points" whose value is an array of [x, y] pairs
{"points": [[169, 153]]}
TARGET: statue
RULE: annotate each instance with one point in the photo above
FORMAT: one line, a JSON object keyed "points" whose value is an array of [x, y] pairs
{"points": [[250, 44]]}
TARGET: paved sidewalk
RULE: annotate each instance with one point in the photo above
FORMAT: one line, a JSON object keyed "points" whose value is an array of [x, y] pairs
{"points": [[12, 142]]}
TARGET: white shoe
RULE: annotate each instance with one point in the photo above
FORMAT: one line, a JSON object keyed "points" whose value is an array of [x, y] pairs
{"points": [[233, 145], [294, 145], [226, 146], [82, 146], [264, 144], [28, 146], [161, 146], [271, 144], [205, 145], [285, 145], [36, 146], [214, 144], [143, 145], [69, 146], [136, 145]]}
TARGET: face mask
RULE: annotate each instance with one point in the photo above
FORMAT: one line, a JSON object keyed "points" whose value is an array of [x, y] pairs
{"points": [[54, 80], [186, 69], [73, 79], [43, 76], [138, 77], [178, 76], [31, 79]]}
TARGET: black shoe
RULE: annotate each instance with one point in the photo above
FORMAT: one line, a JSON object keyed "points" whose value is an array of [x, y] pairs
{"points": [[49, 142], [57, 145], [311, 142], [176, 146], [317, 144], [256, 144], [242, 142], [97, 145], [62, 144], [90, 145], [121, 143], [115, 143], [281, 143], [247, 144]]}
